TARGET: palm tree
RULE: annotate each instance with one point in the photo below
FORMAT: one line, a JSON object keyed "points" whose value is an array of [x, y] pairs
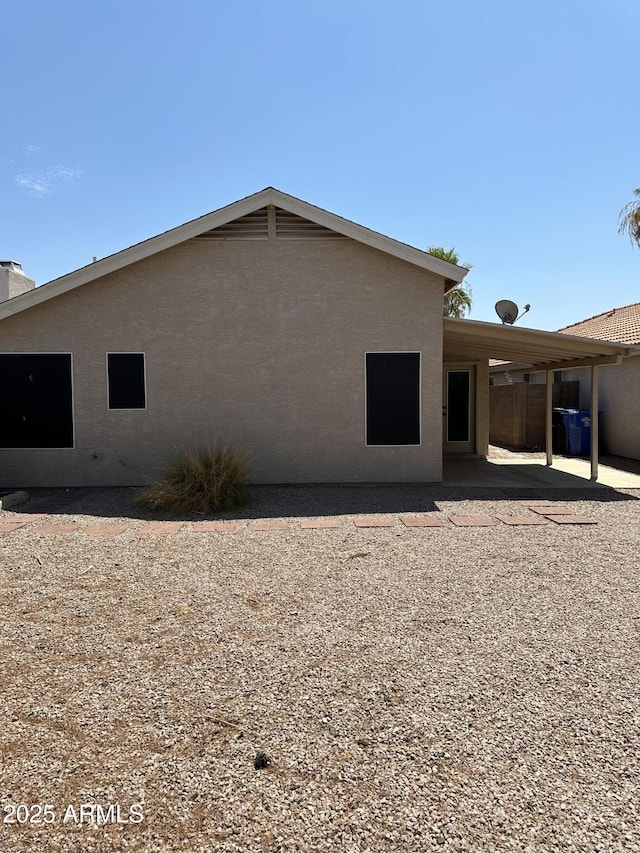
{"points": [[457, 302], [630, 219]]}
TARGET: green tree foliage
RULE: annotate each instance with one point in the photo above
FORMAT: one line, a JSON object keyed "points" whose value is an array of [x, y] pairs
{"points": [[458, 301], [630, 219]]}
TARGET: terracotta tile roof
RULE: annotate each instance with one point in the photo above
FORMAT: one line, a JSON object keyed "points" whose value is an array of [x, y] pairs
{"points": [[621, 325]]}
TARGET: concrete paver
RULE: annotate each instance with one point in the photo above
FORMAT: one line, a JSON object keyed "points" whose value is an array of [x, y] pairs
{"points": [[471, 520], [267, 524], [10, 526], [549, 509], [421, 521], [571, 519], [52, 529], [105, 529], [520, 520], [319, 523], [215, 527], [162, 527]]}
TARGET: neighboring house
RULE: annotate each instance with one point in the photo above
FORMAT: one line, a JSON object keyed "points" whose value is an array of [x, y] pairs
{"points": [[619, 385], [313, 344]]}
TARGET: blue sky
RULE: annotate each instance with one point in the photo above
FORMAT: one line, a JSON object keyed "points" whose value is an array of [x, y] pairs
{"points": [[508, 130]]}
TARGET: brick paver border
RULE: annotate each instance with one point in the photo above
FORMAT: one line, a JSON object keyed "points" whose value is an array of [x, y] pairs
{"points": [[28, 516], [52, 529], [421, 521], [472, 520], [570, 519], [319, 523], [10, 526], [551, 510], [214, 527], [267, 524], [520, 520], [161, 527], [541, 513], [105, 529]]}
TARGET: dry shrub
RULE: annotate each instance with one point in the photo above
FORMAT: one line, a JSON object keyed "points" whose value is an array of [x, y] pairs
{"points": [[203, 481]]}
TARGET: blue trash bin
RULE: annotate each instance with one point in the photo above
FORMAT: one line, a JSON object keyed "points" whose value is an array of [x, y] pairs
{"points": [[577, 423]]}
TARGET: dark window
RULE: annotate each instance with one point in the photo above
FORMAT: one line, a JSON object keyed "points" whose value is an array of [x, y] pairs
{"points": [[458, 387], [126, 380], [36, 405], [393, 397]]}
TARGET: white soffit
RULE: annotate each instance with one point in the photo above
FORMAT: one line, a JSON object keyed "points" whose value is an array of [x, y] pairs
{"points": [[221, 217]]}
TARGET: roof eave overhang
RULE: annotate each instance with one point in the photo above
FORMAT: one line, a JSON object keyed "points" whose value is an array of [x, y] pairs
{"points": [[226, 214]]}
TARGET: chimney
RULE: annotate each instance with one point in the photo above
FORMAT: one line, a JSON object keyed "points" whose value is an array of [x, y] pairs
{"points": [[13, 281]]}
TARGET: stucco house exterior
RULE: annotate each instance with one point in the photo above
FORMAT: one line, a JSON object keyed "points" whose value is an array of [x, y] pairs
{"points": [[314, 345], [619, 385]]}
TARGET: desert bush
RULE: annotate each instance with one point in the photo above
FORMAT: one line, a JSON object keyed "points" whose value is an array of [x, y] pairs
{"points": [[204, 481]]}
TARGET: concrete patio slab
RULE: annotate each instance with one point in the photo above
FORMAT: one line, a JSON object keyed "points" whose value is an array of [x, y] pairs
{"points": [[319, 523], [375, 521], [520, 473]]}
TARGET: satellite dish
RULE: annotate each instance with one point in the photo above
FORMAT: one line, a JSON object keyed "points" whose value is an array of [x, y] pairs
{"points": [[507, 311]]}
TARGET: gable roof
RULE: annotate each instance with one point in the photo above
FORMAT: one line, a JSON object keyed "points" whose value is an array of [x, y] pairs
{"points": [[452, 273], [618, 324]]}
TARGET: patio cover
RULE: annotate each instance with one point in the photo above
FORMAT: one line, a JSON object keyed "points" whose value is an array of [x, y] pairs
{"points": [[472, 340]]}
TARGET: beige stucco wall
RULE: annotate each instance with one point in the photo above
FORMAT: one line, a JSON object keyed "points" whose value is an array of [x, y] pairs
{"points": [[619, 401], [257, 342], [482, 408]]}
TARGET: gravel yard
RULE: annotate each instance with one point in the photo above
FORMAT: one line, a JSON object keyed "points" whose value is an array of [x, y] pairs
{"points": [[445, 688]]}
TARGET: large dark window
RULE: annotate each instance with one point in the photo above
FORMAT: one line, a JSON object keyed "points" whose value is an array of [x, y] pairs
{"points": [[126, 380], [36, 405], [393, 397]]}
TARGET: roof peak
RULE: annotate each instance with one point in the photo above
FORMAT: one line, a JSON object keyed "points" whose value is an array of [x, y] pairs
{"points": [[451, 273]]}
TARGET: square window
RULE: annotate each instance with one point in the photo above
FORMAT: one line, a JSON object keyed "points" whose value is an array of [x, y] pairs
{"points": [[126, 380], [37, 400]]}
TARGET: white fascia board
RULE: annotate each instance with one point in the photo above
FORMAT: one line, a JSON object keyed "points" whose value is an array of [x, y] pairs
{"points": [[482, 330], [137, 252], [175, 236], [403, 251]]}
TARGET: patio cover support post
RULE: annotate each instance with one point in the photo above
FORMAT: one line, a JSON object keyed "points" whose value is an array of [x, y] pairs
{"points": [[548, 429], [594, 421]]}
